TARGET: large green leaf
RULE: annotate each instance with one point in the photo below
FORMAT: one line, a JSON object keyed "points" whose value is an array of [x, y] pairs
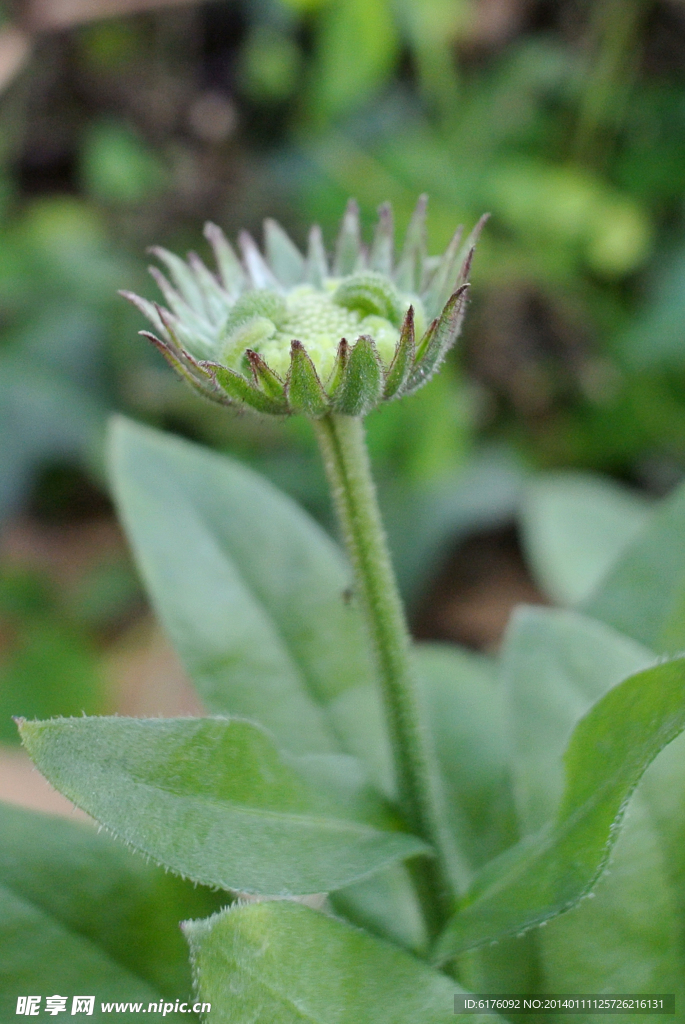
{"points": [[549, 872], [213, 800], [79, 914], [644, 594], [466, 718], [575, 526], [555, 665], [626, 938], [283, 962], [251, 591]]}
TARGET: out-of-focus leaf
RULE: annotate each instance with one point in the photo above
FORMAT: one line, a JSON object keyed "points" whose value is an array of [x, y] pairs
{"points": [[550, 872], [117, 166], [212, 800], [270, 65], [643, 595], [53, 670], [41, 417], [80, 914], [466, 718], [575, 526], [285, 962], [357, 46]]}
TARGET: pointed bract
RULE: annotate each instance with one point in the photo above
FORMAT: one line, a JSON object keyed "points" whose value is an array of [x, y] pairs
{"points": [[410, 267], [257, 268], [403, 363], [243, 392], [348, 249], [361, 387], [439, 339], [382, 256], [183, 278], [265, 378], [303, 387], [316, 269], [283, 256], [231, 272]]}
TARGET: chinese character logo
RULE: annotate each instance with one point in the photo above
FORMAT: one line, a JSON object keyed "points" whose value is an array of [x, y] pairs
{"points": [[55, 1005], [28, 1006], [83, 1004]]}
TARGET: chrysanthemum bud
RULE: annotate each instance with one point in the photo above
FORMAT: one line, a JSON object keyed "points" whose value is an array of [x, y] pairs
{"points": [[285, 333]]}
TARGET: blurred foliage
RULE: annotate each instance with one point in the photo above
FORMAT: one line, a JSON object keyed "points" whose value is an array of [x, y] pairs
{"points": [[564, 119]]}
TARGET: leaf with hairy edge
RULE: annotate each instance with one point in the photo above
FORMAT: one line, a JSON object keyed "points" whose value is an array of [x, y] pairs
{"points": [[213, 800], [626, 938], [548, 873], [281, 961], [643, 595], [250, 590], [79, 914]]}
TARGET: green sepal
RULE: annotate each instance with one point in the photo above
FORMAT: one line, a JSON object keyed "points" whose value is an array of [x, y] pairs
{"points": [[438, 340], [242, 391], [303, 387], [230, 269], [348, 249], [283, 256], [204, 384], [383, 245], [342, 358], [403, 361], [370, 293], [361, 387], [265, 378], [409, 269], [316, 269]]}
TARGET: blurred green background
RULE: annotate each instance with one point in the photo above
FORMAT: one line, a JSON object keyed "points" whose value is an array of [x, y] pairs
{"points": [[127, 123]]}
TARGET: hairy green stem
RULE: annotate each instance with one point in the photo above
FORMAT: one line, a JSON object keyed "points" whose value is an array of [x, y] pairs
{"points": [[342, 443]]}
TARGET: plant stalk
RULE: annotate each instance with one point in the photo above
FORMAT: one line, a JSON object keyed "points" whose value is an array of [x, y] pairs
{"points": [[343, 447]]}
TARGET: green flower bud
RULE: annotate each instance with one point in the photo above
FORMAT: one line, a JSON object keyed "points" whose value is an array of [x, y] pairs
{"points": [[286, 333]]}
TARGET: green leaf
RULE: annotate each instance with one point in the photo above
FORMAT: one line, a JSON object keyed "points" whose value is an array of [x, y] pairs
{"points": [[212, 800], [626, 938], [575, 526], [251, 592], [385, 905], [550, 872], [79, 914], [555, 665], [284, 962], [466, 718], [644, 594]]}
